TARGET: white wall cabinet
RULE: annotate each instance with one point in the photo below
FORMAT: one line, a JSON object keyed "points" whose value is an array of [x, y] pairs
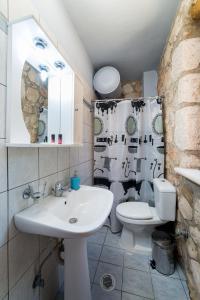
{"points": [[63, 103]]}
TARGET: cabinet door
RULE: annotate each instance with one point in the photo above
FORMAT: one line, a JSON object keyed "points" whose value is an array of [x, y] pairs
{"points": [[78, 111]]}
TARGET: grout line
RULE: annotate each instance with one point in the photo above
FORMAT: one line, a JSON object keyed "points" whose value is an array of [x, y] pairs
{"points": [[21, 185], [4, 85]]}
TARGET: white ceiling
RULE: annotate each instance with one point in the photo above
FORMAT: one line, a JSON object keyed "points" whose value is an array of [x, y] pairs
{"points": [[127, 34]]}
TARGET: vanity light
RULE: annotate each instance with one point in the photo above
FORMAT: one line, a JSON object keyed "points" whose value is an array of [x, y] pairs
{"points": [[43, 72], [59, 65], [40, 43]]}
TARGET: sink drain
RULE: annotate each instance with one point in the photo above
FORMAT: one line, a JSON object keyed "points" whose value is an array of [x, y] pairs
{"points": [[73, 220], [107, 282]]}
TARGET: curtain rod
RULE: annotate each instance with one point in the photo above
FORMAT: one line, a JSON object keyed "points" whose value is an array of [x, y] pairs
{"points": [[130, 99], [90, 105]]}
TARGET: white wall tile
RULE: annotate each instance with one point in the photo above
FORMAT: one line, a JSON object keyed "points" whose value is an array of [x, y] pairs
{"points": [[48, 183], [51, 275], [64, 176], [74, 156], [4, 8], [3, 166], [88, 181], [44, 242], [3, 56], [22, 166], [3, 271], [63, 158], [84, 170], [87, 116], [2, 111], [16, 203], [87, 134], [23, 289], [48, 161], [3, 219], [85, 153], [23, 251]]}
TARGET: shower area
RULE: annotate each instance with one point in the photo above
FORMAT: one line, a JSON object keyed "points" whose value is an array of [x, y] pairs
{"points": [[128, 149]]}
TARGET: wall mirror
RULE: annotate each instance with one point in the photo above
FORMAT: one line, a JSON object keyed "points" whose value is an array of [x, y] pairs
{"points": [[40, 104]]}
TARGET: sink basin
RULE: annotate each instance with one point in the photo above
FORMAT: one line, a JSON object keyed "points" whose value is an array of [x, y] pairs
{"points": [[88, 208], [72, 217]]}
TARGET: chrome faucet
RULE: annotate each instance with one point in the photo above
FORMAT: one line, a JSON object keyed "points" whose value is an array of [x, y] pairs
{"points": [[59, 189], [28, 193]]}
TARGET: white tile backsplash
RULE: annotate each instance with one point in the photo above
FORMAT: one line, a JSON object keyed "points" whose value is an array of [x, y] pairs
{"points": [[48, 161], [2, 111], [22, 166], [3, 56], [64, 176], [63, 158], [48, 183], [3, 219], [16, 203], [3, 271], [85, 153], [74, 156]]}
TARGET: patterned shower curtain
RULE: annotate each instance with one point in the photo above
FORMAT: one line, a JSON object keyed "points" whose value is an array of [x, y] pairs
{"points": [[128, 149]]}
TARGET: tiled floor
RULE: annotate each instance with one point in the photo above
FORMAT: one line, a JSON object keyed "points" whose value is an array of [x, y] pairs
{"points": [[135, 280]]}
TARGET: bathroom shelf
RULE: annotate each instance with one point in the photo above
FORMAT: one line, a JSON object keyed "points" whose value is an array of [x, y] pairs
{"points": [[43, 145], [191, 174]]}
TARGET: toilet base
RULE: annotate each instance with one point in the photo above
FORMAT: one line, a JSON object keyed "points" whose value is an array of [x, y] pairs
{"points": [[138, 241]]}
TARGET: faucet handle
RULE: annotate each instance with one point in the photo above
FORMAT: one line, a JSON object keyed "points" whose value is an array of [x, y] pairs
{"points": [[59, 189], [28, 192]]}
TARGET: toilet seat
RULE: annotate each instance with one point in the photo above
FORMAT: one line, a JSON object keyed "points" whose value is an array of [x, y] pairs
{"points": [[154, 220], [135, 210]]}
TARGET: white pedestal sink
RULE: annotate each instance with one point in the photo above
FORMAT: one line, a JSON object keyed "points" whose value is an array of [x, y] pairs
{"points": [[73, 217]]}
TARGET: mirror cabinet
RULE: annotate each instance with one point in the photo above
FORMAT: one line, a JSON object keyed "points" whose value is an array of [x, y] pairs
{"points": [[45, 97]]}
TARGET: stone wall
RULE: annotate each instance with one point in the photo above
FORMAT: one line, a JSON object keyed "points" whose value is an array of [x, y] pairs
{"points": [[131, 89], [34, 95], [179, 82]]}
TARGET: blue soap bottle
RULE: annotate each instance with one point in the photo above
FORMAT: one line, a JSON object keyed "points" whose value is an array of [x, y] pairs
{"points": [[75, 182]]}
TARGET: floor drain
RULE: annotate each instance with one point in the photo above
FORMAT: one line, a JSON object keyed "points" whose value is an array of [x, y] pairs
{"points": [[107, 282], [73, 220]]}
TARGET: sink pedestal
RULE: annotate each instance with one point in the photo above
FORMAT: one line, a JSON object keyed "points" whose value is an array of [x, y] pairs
{"points": [[76, 272]]}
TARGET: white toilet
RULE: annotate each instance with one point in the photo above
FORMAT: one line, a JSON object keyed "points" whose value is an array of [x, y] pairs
{"points": [[139, 219]]}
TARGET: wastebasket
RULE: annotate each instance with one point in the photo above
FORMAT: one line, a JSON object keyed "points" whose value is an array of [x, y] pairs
{"points": [[163, 252]]}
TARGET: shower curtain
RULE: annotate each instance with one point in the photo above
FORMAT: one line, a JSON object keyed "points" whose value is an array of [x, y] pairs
{"points": [[128, 149]]}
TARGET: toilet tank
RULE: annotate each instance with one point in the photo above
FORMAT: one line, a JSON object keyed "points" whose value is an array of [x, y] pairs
{"points": [[165, 199]]}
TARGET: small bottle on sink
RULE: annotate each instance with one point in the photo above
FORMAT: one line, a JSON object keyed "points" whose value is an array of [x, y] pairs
{"points": [[75, 182]]}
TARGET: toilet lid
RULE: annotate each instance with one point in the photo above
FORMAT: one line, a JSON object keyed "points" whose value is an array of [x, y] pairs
{"points": [[135, 210]]}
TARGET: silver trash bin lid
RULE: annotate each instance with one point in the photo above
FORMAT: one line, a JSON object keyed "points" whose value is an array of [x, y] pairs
{"points": [[162, 239]]}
